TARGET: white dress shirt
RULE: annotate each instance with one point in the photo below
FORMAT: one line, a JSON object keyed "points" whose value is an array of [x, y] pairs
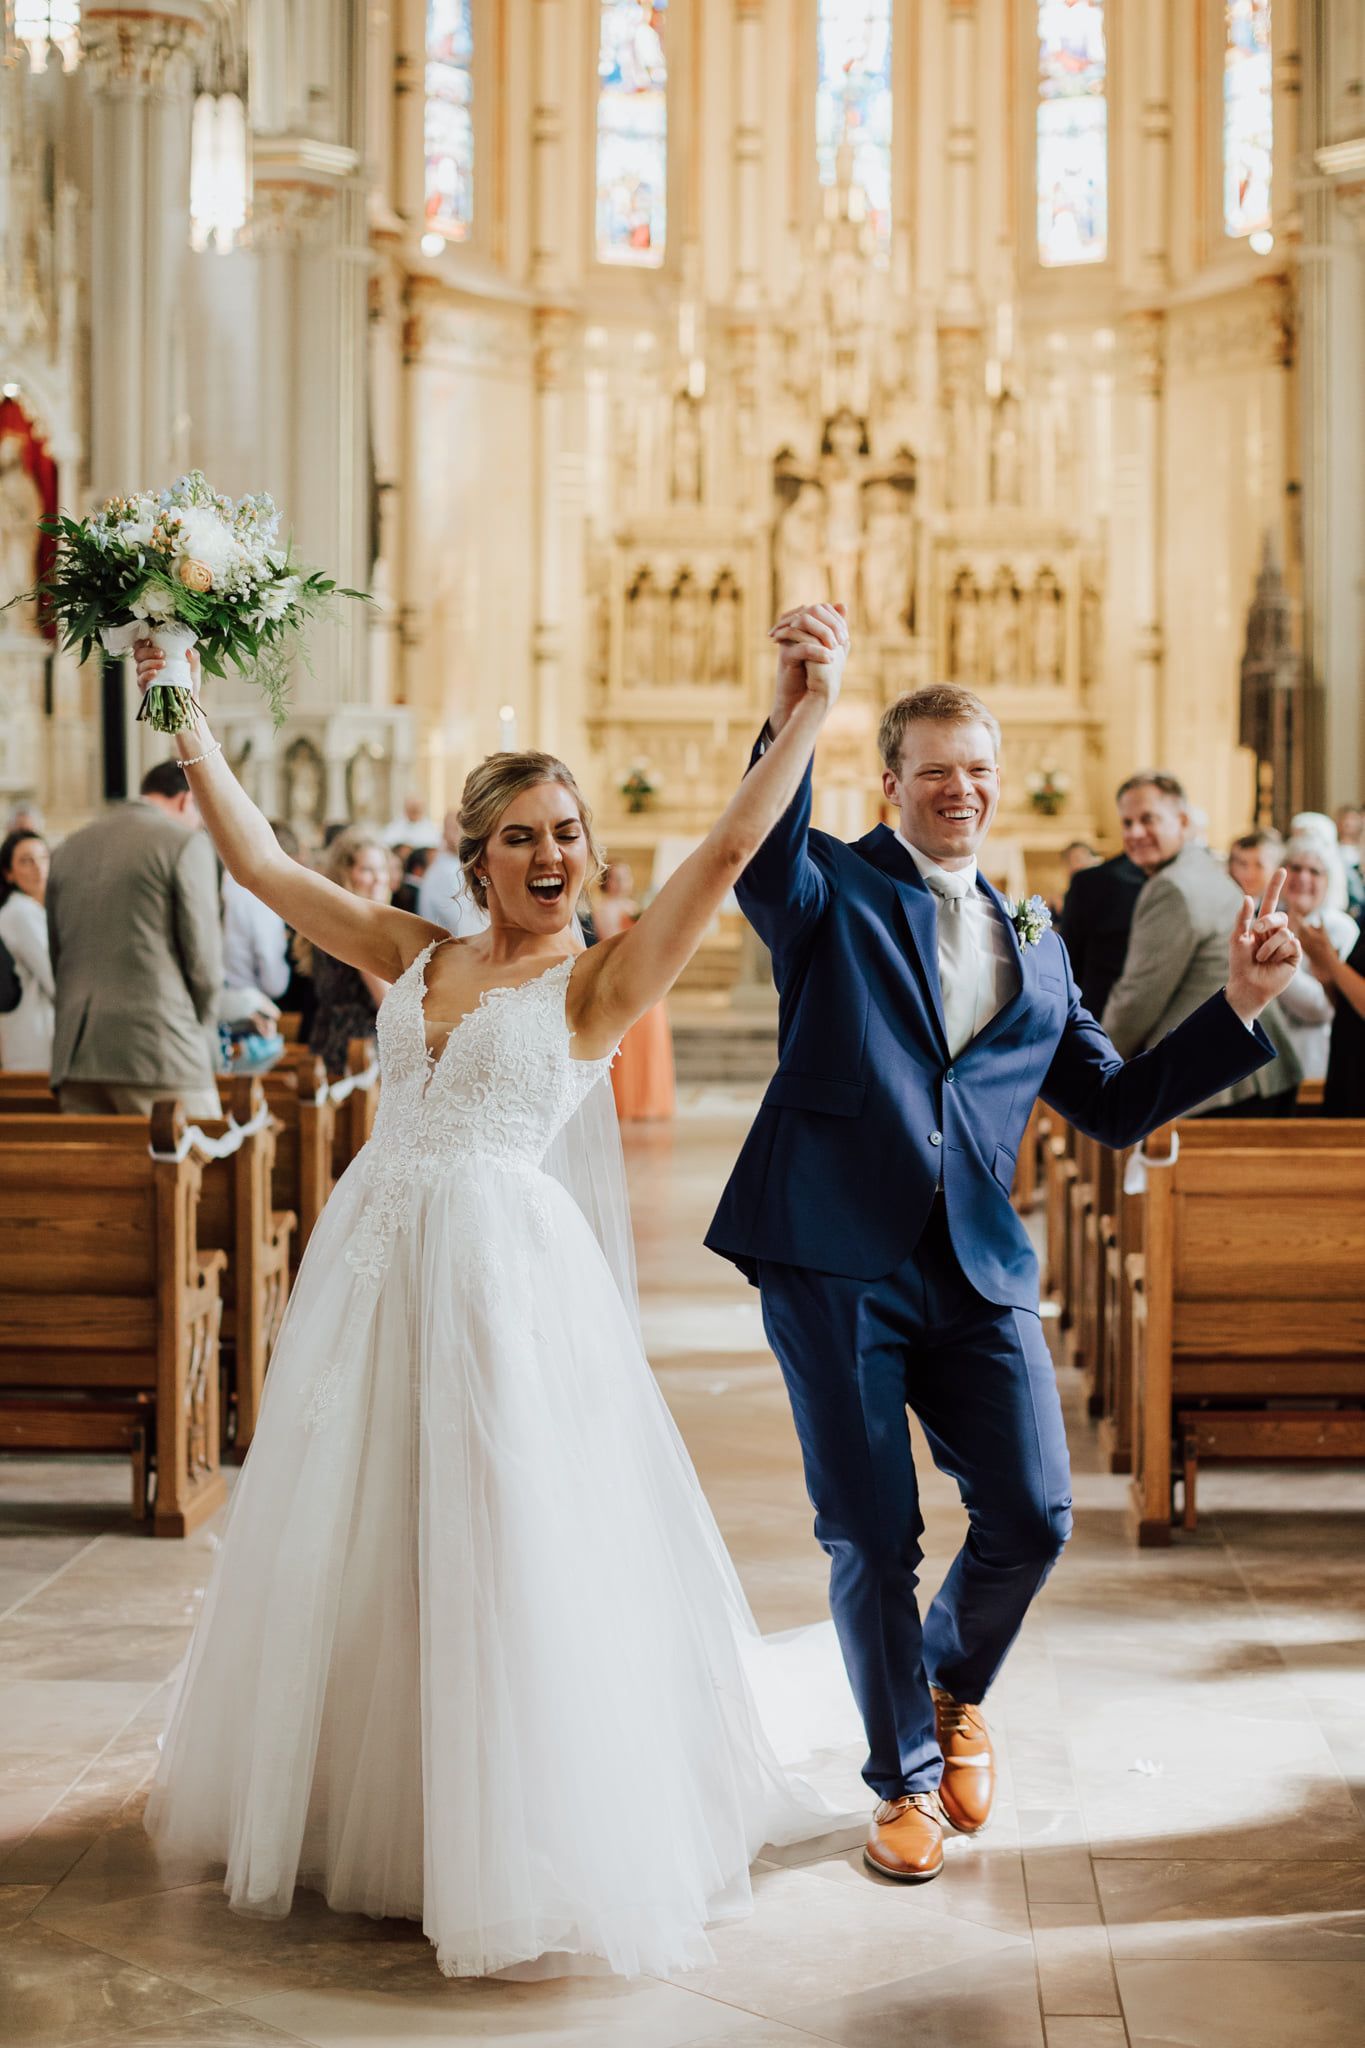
{"points": [[255, 942], [443, 897], [977, 969]]}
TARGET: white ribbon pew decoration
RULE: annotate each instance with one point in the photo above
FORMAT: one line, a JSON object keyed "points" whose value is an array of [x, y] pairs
{"points": [[1136, 1171], [232, 1140], [337, 1091]]}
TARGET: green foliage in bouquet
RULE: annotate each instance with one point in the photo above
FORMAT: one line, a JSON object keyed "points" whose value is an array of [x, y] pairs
{"points": [[187, 557]]}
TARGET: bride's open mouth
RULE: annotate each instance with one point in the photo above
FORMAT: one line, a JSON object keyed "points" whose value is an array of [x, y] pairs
{"points": [[546, 888]]}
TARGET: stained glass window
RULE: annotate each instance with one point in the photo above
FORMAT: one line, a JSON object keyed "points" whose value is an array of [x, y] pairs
{"points": [[449, 118], [1246, 116], [853, 101], [632, 131], [1072, 167]]}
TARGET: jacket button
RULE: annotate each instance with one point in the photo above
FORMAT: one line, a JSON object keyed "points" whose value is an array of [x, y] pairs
{"points": [[951, 1074], [935, 1137]]}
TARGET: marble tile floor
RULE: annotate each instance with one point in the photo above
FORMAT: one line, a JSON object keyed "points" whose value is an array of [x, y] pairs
{"points": [[1178, 1859]]}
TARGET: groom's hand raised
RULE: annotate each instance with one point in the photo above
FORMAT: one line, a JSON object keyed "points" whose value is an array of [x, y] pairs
{"points": [[812, 647], [1263, 954]]}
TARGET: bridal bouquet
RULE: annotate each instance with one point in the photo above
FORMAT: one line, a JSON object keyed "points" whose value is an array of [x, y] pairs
{"points": [[185, 567]]}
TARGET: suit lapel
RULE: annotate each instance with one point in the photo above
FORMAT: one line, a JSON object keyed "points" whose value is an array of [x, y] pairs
{"points": [[1023, 991], [918, 907]]}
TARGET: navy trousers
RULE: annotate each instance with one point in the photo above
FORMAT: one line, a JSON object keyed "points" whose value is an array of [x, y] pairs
{"points": [[855, 1355]]}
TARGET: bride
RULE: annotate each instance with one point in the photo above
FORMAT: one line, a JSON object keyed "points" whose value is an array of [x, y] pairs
{"points": [[473, 1650]]}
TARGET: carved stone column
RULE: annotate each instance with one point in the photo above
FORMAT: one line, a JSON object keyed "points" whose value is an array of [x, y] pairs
{"points": [[748, 151], [552, 68], [139, 64], [550, 340], [1153, 29], [308, 231], [1150, 726], [960, 296]]}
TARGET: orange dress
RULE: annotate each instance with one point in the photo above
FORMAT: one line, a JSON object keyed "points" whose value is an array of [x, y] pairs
{"points": [[642, 1075]]}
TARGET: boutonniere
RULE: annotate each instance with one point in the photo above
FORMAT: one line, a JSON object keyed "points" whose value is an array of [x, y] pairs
{"points": [[1030, 917]]}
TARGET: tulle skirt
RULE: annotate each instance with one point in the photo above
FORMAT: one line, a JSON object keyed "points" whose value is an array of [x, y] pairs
{"points": [[473, 1650]]}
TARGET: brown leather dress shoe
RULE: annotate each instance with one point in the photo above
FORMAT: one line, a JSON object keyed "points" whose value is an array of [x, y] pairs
{"points": [[906, 1839], [968, 1787]]}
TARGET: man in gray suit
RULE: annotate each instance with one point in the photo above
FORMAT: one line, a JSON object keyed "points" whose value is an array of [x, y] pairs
{"points": [[132, 912], [1177, 947]]}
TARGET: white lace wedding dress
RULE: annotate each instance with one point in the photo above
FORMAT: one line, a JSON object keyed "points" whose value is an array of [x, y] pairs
{"points": [[473, 1651]]}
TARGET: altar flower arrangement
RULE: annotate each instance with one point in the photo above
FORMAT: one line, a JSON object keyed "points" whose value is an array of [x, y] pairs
{"points": [[1048, 790], [639, 787], [185, 567]]}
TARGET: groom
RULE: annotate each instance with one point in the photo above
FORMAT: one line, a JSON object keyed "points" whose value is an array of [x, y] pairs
{"points": [[919, 1019]]}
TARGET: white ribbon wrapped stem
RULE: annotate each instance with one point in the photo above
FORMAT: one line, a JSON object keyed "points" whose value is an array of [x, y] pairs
{"points": [[173, 639]]}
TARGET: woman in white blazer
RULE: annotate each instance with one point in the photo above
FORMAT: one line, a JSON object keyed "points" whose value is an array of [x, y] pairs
{"points": [[26, 1033]]}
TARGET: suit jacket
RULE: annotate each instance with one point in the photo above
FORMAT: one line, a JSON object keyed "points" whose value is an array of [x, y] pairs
{"points": [[1178, 958], [867, 1110], [1096, 918], [132, 912]]}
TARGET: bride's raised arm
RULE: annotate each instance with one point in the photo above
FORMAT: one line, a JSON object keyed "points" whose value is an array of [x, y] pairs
{"points": [[373, 937], [622, 978]]}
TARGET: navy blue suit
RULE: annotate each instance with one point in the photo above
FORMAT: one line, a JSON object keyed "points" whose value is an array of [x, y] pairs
{"points": [[870, 1204]]}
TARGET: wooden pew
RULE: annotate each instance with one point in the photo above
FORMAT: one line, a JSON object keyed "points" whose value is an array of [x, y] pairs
{"points": [[1235, 1353], [1094, 1230], [356, 1096], [1120, 1244], [306, 1110], [109, 1313], [236, 1216], [1024, 1193], [301, 1104], [1059, 1171]]}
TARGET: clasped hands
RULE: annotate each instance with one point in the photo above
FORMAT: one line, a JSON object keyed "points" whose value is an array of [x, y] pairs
{"points": [[812, 647]]}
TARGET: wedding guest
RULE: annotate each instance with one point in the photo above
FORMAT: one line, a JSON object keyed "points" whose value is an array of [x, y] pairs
{"points": [[1076, 858], [443, 896], [1177, 949], [348, 998], [1350, 821], [26, 817], [1314, 891], [1253, 859], [642, 1078], [255, 939], [414, 828], [1095, 922], [137, 956], [414, 867], [26, 1033], [1344, 1089]]}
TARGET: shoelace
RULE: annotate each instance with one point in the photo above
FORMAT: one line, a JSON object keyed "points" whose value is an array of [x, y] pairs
{"points": [[955, 1717], [923, 1802]]}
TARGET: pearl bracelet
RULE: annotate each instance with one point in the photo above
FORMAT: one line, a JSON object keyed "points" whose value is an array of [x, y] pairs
{"points": [[193, 760]]}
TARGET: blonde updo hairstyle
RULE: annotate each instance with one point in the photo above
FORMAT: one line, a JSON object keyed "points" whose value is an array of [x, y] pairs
{"points": [[498, 782]]}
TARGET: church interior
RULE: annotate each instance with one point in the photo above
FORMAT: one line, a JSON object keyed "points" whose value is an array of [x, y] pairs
{"points": [[585, 337]]}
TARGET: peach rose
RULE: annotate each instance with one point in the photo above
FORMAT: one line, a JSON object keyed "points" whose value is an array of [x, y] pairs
{"points": [[195, 576]]}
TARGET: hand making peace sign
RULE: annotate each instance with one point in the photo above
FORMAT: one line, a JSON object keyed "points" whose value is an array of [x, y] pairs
{"points": [[1262, 953]]}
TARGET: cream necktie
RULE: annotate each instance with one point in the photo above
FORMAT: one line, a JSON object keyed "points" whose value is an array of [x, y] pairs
{"points": [[957, 961]]}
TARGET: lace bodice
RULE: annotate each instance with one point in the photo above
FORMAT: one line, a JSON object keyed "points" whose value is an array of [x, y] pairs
{"points": [[500, 1091], [505, 1082]]}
